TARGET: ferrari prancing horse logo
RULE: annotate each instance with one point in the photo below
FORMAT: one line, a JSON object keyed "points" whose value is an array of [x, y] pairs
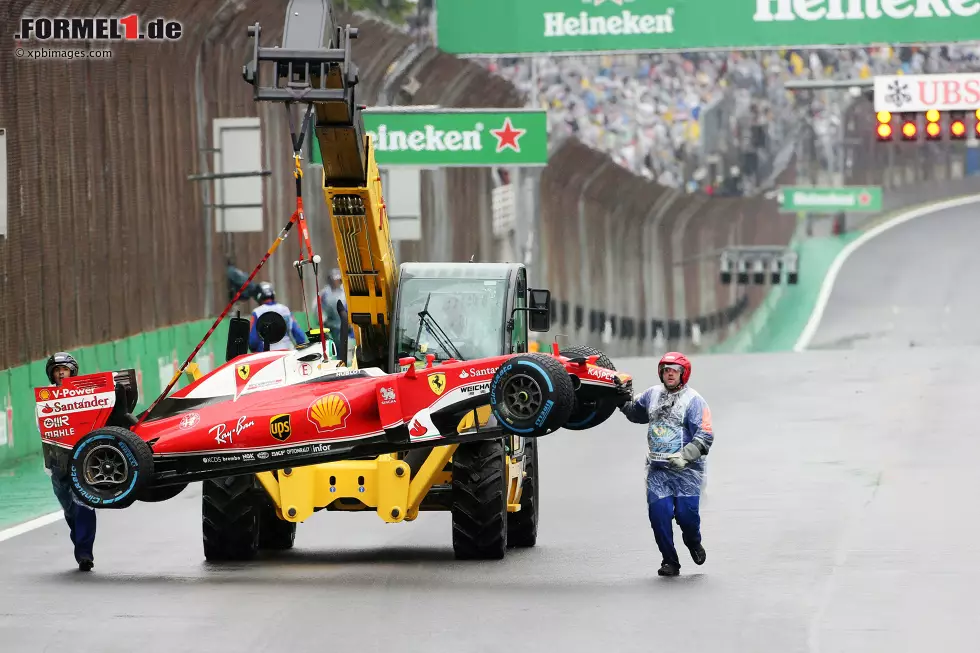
{"points": [[243, 372], [437, 383]]}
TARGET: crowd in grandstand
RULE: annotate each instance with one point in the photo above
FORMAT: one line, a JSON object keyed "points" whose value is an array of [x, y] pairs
{"points": [[645, 110]]}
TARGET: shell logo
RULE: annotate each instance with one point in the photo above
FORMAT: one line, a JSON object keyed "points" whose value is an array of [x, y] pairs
{"points": [[45, 395], [329, 412]]}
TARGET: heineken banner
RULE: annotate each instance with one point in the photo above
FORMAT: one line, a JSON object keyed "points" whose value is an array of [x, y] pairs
{"points": [[948, 92], [829, 200], [497, 27], [458, 137]]}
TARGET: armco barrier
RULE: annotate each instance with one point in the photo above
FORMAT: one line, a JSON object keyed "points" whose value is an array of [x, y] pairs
{"points": [[628, 260]]}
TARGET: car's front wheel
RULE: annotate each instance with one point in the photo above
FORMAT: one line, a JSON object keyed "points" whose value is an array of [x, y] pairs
{"points": [[531, 395]]}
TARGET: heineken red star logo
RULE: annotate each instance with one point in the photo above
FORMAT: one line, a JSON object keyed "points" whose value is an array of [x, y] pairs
{"points": [[864, 198], [507, 136]]}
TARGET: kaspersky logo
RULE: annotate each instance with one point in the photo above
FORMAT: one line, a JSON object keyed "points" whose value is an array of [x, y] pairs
{"points": [[767, 11], [432, 139]]}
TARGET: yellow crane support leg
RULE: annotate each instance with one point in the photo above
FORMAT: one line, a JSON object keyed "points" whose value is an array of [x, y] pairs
{"points": [[431, 469]]}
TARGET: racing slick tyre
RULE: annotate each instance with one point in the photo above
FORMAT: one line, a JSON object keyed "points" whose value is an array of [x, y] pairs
{"points": [[274, 533], [110, 467], [162, 493], [230, 518], [588, 414], [531, 395], [479, 509], [522, 526]]}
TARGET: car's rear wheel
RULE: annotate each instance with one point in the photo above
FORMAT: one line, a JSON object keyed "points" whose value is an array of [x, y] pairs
{"points": [[110, 467]]}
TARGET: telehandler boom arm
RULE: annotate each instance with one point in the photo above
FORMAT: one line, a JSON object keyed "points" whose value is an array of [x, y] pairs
{"points": [[313, 68]]}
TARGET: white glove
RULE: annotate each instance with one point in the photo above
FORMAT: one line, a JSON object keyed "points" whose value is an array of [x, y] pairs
{"points": [[677, 460]]}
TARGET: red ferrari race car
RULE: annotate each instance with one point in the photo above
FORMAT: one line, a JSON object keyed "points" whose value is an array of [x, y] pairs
{"points": [[280, 409]]}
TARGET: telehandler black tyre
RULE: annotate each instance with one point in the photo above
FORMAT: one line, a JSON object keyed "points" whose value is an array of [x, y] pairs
{"points": [[230, 518], [274, 534], [588, 414], [531, 395], [479, 509], [522, 526]]}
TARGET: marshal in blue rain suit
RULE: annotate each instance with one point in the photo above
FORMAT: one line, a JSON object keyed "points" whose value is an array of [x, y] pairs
{"points": [[679, 423], [80, 518]]}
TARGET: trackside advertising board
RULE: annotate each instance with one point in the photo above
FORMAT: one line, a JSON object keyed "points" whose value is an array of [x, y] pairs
{"points": [[947, 92], [458, 137], [497, 27], [829, 199]]}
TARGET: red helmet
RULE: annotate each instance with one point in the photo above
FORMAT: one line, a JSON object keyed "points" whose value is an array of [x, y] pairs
{"points": [[675, 358]]}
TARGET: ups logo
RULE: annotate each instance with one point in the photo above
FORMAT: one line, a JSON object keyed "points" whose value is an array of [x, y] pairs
{"points": [[280, 427]]}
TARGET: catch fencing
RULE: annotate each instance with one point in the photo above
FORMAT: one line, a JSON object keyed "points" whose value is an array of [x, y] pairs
{"points": [[108, 238]]}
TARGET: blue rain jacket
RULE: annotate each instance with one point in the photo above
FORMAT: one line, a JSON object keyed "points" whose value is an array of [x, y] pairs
{"points": [[674, 419]]}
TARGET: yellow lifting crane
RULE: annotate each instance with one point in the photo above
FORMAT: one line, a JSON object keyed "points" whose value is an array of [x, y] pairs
{"points": [[490, 487]]}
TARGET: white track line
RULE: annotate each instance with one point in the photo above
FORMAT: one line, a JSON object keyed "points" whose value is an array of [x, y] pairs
{"points": [[29, 526], [828, 283]]}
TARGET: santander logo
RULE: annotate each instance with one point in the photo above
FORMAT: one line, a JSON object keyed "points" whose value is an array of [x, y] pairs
{"points": [[417, 429]]}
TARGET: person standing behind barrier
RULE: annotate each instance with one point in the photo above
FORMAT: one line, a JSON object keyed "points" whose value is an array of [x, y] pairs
{"points": [[80, 519], [328, 298], [679, 435], [267, 302]]}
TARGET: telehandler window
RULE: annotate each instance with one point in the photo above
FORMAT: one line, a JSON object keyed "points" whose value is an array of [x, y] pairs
{"points": [[464, 319]]}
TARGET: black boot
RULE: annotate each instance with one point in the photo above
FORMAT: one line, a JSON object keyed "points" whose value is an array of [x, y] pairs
{"points": [[698, 553], [667, 569], [85, 564]]}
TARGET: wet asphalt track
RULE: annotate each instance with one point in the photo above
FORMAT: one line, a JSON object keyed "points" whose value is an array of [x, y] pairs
{"points": [[839, 517], [915, 285]]}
